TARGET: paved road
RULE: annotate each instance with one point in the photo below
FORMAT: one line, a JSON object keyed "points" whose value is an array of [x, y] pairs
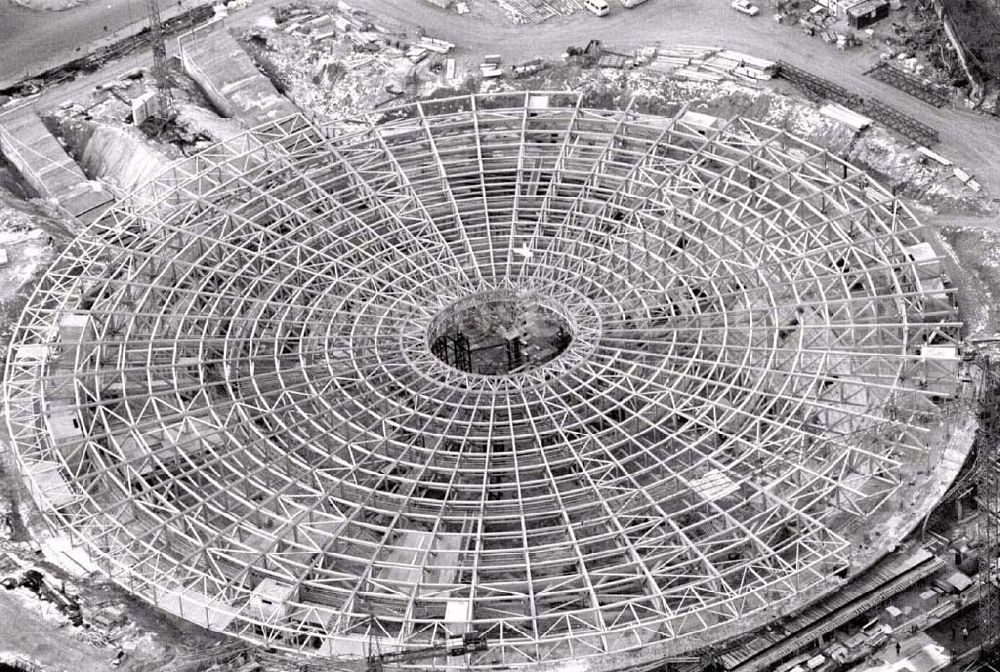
{"points": [[32, 42], [971, 140]]}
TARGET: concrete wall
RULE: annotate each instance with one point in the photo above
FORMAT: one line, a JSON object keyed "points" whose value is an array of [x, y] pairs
{"points": [[224, 71], [43, 163], [37, 155], [118, 154]]}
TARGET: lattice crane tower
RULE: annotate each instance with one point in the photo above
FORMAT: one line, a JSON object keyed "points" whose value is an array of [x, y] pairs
{"points": [[164, 100]]}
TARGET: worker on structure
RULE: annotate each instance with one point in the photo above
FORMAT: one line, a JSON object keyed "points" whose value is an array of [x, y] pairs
{"points": [[965, 632]]}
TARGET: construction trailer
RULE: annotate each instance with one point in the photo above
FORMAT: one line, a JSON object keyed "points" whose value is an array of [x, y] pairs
{"points": [[866, 13], [843, 9]]}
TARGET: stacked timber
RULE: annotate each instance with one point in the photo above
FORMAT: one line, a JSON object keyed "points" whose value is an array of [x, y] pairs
{"points": [[537, 11], [709, 64], [850, 118]]}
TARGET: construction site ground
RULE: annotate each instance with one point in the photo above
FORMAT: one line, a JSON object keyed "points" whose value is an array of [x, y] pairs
{"points": [[44, 641], [970, 139]]}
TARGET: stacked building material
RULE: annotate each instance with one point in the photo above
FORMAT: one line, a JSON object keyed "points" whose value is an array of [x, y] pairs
{"points": [[710, 64], [537, 11]]}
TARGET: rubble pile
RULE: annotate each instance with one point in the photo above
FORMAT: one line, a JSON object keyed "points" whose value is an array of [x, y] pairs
{"points": [[916, 44], [52, 598], [14, 222], [336, 62]]}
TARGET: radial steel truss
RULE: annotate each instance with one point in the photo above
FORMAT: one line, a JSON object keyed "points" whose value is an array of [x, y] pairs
{"points": [[227, 390]]}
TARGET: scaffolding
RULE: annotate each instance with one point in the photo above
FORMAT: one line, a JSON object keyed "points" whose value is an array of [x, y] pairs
{"points": [[230, 390]]}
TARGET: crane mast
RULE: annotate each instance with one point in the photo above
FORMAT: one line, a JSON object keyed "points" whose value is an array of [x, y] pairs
{"points": [[164, 102]]}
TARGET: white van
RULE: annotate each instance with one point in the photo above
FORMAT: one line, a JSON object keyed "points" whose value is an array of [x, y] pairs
{"points": [[632, 3], [599, 7]]}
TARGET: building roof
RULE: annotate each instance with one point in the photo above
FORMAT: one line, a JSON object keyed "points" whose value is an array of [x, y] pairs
{"points": [[866, 7]]}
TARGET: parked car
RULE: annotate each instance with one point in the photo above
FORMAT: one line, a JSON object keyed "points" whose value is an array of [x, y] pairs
{"points": [[599, 7], [745, 7]]}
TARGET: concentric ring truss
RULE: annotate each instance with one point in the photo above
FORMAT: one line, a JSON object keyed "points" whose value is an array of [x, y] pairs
{"points": [[241, 389]]}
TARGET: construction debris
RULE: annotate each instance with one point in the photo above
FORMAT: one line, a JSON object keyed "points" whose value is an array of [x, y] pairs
{"points": [[527, 68], [47, 590], [935, 156], [336, 62], [612, 60]]}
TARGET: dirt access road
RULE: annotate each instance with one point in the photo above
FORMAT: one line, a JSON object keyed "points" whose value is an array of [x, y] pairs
{"points": [[969, 139]]}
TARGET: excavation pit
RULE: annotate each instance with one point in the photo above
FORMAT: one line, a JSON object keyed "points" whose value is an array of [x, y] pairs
{"points": [[498, 333]]}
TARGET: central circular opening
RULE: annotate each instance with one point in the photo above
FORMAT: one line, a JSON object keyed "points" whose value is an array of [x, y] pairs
{"points": [[498, 333]]}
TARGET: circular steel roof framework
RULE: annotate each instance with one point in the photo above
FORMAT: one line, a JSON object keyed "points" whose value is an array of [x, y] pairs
{"points": [[232, 389]]}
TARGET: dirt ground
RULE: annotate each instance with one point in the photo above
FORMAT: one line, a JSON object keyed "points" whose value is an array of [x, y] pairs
{"points": [[150, 639], [44, 641], [978, 24], [50, 5], [26, 239], [978, 253]]}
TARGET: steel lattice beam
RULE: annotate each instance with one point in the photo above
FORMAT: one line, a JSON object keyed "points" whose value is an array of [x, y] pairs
{"points": [[232, 390]]}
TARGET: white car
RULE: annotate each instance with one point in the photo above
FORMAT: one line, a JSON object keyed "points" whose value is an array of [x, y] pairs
{"points": [[745, 7]]}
